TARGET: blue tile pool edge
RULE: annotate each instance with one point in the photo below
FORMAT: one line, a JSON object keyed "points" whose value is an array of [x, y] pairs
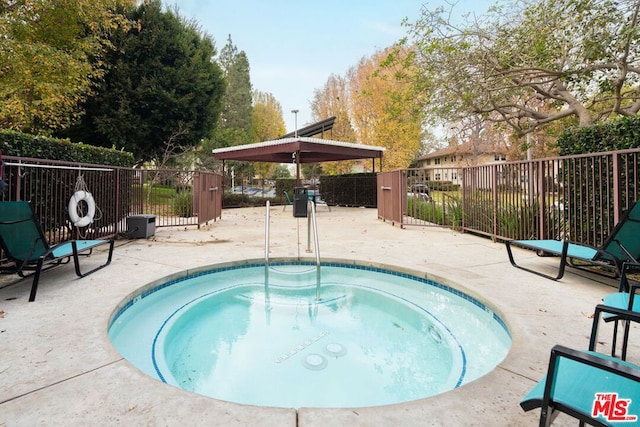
{"points": [[213, 269]]}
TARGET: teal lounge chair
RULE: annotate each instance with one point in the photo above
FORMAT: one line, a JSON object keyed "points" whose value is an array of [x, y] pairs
{"points": [[594, 388], [623, 245], [25, 248]]}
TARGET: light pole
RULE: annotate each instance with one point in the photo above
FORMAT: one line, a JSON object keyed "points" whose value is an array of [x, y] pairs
{"points": [[295, 118]]}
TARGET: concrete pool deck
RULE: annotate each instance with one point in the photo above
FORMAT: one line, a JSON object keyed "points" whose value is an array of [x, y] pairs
{"points": [[58, 366]]}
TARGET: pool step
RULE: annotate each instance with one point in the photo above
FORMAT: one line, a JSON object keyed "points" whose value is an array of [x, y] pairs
{"points": [[292, 275], [295, 296]]}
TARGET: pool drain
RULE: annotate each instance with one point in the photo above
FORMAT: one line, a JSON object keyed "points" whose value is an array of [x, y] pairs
{"points": [[335, 350], [315, 362], [297, 349]]}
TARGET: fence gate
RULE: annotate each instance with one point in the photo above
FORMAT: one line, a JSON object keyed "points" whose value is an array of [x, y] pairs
{"points": [[207, 196], [392, 196]]}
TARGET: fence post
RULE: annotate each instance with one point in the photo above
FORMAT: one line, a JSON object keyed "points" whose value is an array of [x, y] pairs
{"points": [[494, 172], [617, 205], [541, 199]]}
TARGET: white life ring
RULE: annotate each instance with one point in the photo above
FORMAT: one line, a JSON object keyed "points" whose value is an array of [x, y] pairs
{"points": [[73, 208]]}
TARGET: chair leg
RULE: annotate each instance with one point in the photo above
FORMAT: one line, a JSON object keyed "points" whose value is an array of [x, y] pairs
{"points": [[615, 338], [561, 268], [76, 261], [625, 339], [36, 279]]}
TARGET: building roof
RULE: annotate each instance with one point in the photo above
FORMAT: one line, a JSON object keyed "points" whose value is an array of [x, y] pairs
{"points": [[467, 148], [301, 149]]}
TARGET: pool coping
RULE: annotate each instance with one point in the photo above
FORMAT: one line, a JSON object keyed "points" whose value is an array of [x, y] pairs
{"points": [[424, 278]]}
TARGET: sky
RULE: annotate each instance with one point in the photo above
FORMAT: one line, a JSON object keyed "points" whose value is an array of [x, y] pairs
{"points": [[293, 47]]}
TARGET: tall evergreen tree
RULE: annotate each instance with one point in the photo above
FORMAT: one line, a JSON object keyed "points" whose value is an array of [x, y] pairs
{"points": [[235, 119], [163, 89], [235, 126]]}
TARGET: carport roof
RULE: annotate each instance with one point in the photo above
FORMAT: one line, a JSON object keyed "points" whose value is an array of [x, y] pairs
{"points": [[307, 150]]}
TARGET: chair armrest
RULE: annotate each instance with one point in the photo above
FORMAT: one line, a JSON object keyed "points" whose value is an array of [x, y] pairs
{"points": [[613, 312], [632, 294], [624, 282], [633, 264], [597, 360], [621, 313]]}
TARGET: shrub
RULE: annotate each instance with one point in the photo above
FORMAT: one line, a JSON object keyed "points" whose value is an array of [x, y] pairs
{"points": [[39, 147], [615, 135], [183, 204]]}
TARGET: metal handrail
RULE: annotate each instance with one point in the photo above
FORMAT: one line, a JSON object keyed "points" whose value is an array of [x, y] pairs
{"points": [[267, 229], [317, 248]]}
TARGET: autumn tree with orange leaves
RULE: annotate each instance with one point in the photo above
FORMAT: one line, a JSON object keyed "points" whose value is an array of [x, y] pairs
{"points": [[268, 124], [385, 111], [332, 101], [373, 105]]}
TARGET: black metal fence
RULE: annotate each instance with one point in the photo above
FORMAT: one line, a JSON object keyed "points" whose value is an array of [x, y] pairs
{"points": [[579, 198], [174, 197]]}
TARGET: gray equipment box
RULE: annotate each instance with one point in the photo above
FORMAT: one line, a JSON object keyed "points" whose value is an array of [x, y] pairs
{"points": [[141, 226]]}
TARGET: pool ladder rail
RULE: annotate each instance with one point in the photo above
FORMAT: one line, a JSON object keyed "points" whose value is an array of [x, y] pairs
{"points": [[312, 222]]}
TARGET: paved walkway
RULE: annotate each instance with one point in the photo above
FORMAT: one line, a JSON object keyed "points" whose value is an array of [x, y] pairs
{"points": [[59, 368]]}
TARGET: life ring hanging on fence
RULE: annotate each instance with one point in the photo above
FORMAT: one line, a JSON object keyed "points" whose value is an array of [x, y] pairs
{"points": [[76, 219]]}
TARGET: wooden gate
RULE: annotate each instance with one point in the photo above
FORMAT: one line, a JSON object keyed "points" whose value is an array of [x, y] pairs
{"points": [[392, 196], [207, 197]]}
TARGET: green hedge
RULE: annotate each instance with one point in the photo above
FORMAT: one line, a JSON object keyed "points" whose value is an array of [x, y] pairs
{"points": [[39, 147], [354, 189], [588, 223], [285, 184], [442, 186], [620, 134], [244, 201]]}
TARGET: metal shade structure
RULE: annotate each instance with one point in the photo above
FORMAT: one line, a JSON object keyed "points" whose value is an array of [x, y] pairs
{"points": [[314, 129], [300, 150]]}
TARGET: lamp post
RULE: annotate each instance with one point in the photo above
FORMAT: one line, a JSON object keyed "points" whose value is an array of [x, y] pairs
{"points": [[295, 118]]}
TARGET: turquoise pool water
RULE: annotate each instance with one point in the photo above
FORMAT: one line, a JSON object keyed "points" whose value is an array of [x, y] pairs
{"points": [[375, 337]]}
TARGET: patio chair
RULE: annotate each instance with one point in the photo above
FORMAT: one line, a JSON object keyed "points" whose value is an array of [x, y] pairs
{"points": [[288, 201], [626, 298], [594, 388], [622, 245], [25, 246], [314, 197], [322, 202]]}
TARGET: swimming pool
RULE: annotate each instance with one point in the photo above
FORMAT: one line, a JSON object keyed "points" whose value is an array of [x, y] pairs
{"points": [[375, 337]]}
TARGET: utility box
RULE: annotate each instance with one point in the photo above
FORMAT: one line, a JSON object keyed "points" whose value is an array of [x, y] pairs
{"points": [[300, 200], [141, 226]]}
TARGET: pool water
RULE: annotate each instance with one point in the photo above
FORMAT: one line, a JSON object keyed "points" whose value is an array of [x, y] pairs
{"points": [[375, 337]]}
